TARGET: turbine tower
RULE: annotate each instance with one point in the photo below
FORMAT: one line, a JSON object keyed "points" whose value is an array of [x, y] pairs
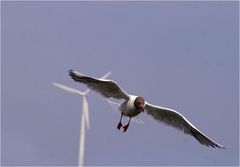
{"points": [[85, 116]]}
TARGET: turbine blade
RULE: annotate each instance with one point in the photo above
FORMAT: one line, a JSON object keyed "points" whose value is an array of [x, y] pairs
{"points": [[82, 142], [106, 75], [85, 111], [86, 91], [68, 89]]}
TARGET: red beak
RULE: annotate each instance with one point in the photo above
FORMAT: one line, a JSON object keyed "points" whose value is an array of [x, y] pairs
{"points": [[142, 109]]}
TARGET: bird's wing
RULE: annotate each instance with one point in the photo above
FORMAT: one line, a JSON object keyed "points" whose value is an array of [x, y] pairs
{"points": [[106, 88], [176, 120]]}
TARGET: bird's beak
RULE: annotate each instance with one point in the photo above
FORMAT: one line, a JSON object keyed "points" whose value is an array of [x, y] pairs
{"points": [[142, 109]]}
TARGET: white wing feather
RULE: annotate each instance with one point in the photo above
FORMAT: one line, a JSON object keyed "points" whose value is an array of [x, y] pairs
{"points": [[176, 120], [106, 88]]}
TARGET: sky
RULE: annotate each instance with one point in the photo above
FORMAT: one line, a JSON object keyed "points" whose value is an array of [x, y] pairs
{"points": [[180, 55]]}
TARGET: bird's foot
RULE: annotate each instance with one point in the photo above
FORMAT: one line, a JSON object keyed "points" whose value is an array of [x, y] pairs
{"points": [[119, 126], [125, 128]]}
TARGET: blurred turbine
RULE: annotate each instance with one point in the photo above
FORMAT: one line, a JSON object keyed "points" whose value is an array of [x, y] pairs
{"points": [[84, 118]]}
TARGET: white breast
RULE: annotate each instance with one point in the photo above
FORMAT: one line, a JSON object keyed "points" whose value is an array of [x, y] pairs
{"points": [[128, 108]]}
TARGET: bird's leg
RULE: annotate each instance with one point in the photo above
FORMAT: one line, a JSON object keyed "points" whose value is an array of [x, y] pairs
{"points": [[126, 126], [120, 122]]}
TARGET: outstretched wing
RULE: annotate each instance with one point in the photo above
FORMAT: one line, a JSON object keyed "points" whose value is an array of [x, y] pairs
{"points": [[176, 120], [106, 88]]}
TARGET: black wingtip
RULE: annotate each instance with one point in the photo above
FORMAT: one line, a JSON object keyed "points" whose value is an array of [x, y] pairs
{"points": [[220, 146], [71, 72], [76, 76], [205, 140]]}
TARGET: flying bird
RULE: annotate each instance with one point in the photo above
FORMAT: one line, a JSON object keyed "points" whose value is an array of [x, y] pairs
{"points": [[133, 105]]}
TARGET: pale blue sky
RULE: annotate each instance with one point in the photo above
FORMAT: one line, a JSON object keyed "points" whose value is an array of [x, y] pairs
{"points": [[181, 55]]}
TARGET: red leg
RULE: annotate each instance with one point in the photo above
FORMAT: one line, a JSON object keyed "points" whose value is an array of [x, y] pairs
{"points": [[126, 126], [120, 123]]}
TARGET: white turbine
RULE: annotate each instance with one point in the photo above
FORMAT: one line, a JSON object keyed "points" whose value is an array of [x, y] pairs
{"points": [[85, 116]]}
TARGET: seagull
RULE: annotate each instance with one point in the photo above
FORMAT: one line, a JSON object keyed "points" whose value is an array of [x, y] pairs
{"points": [[133, 105]]}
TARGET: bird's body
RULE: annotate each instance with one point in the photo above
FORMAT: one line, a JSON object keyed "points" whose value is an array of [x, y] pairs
{"points": [[127, 108], [133, 105]]}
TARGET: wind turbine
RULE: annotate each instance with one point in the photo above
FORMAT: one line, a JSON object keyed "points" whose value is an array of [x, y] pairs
{"points": [[85, 116]]}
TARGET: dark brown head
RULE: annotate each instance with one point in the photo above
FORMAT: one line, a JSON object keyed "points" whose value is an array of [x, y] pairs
{"points": [[139, 103]]}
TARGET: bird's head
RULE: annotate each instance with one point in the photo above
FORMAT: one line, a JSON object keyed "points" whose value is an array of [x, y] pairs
{"points": [[139, 103]]}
